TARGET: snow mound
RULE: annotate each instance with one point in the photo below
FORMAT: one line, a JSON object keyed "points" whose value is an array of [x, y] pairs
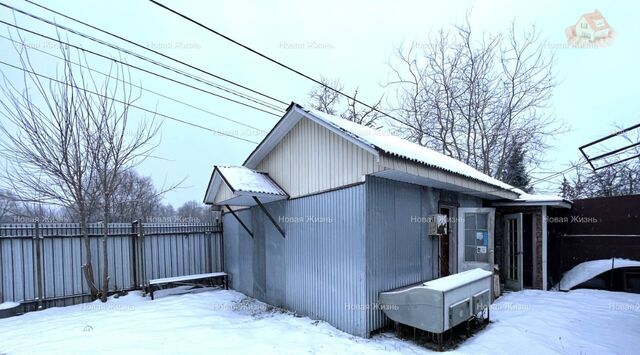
{"points": [[7, 305], [586, 271]]}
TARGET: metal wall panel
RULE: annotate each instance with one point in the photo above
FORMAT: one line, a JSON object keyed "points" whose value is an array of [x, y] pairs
{"points": [[342, 248], [398, 251], [317, 270], [168, 250], [325, 258], [311, 158]]}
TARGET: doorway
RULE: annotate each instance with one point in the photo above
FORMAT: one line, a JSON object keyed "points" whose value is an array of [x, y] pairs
{"points": [[513, 244], [476, 238], [443, 246]]}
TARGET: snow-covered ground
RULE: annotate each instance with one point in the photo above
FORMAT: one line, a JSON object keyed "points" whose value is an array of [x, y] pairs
{"points": [[226, 322]]}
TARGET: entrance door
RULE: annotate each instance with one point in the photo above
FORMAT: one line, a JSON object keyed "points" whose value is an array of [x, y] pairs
{"points": [[475, 238], [444, 246], [513, 251]]}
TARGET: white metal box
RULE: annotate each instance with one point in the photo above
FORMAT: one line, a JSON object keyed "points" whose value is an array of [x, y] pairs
{"points": [[436, 306]]}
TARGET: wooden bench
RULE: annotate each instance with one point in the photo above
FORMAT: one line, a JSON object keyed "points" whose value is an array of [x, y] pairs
{"points": [[190, 280]]}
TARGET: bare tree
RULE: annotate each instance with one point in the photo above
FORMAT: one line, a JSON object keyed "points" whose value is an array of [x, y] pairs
{"points": [[471, 95], [324, 99], [43, 136], [70, 141], [7, 205], [116, 145], [135, 197], [194, 211]]}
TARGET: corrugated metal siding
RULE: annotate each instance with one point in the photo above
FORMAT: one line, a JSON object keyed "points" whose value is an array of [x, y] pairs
{"points": [[325, 260], [238, 254], [335, 270], [318, 269], [417, 169], [310, 158], [168, 251], [224, 193], [398, 252]]}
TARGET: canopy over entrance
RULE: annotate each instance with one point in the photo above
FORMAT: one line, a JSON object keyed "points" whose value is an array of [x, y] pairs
{"points": [[241, 186]]}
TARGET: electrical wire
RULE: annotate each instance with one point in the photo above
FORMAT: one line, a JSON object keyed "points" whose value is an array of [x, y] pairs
{"points": [[280, 63], [156, 52], [139, 56], [135, 85], [129, 104], [137, 68]]}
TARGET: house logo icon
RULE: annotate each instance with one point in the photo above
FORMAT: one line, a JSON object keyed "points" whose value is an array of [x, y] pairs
{"points": [[592, 30]]}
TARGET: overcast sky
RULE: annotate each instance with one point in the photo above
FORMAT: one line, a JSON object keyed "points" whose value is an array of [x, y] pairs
{"points": [[350, 40]]}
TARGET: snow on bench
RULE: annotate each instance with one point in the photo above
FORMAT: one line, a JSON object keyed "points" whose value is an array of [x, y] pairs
{"points": [[167, 280], [156, 283]]}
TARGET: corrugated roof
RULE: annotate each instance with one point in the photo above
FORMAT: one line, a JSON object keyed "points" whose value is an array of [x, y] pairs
{"points": [[240, 178], [394, 145]]}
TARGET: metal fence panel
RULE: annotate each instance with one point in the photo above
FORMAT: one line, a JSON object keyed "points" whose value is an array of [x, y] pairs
{"points": [[41, 263]]}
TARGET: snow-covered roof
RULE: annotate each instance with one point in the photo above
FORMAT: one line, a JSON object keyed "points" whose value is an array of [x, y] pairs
{"points": [[240, 178], [379, 141], [244, 184], [526, 199], [394, 145]]}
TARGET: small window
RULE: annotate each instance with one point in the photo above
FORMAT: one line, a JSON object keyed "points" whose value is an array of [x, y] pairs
{"points": [[476, 237]]}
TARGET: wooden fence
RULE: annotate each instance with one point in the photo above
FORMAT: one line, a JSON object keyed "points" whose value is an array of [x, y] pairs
{"points": [[41, 263]]}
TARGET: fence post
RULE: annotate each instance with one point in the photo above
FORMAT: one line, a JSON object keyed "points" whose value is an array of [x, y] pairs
{"points": [[561, 252], [38, 247], [134, 251], [143, 272], [220, 229]]}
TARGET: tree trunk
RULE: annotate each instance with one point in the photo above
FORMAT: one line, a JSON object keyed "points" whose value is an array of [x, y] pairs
{"points": [[87, 268], [105, 254]]}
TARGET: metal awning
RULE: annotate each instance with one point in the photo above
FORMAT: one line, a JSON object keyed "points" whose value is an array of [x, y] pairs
{"points": [[244, 187], [240, 186]]}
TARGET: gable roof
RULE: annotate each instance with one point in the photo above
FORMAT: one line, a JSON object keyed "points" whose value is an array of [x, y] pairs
{"points": [[402, 148], [592, 17], [374, 141]]}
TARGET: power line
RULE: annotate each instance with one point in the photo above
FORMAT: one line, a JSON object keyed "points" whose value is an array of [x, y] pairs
{"points": [[279, 63], [139, 56], [157, 52], [138, 68], [137, 86], [129, 104]]}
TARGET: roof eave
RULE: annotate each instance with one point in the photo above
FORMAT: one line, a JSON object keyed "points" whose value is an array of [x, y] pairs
{"points": [[560, 204]]}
